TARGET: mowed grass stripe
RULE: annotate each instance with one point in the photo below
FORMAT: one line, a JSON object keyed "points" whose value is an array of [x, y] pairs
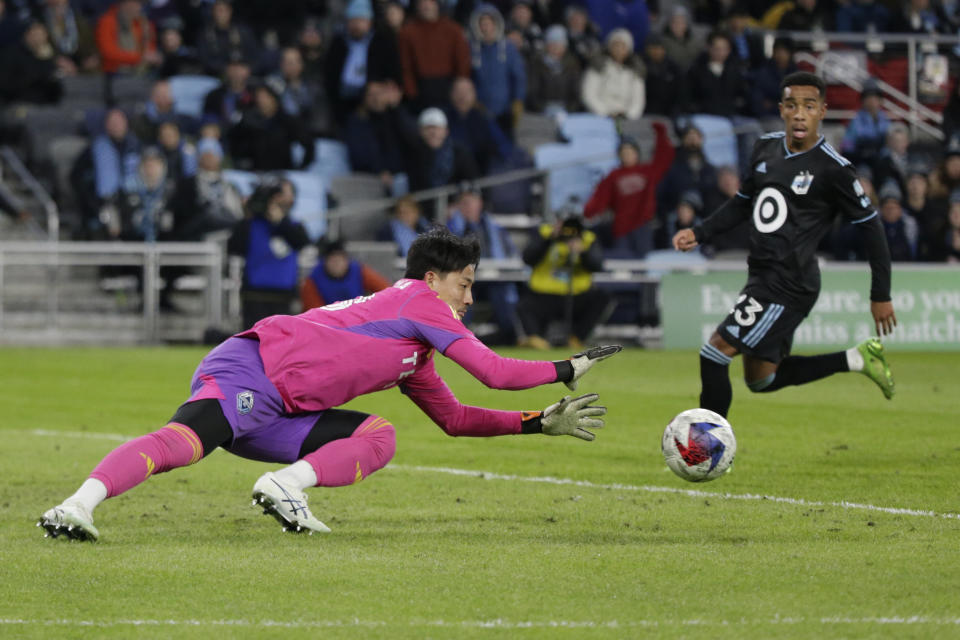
{"points": [[490, 475]]}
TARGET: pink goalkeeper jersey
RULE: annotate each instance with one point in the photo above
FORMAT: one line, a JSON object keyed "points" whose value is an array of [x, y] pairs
{"points": [[327, 356]]}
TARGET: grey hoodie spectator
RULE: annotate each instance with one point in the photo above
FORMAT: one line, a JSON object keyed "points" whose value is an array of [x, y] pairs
{"points": [[678, 39]]}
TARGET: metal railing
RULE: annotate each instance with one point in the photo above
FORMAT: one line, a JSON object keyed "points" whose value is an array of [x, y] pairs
{"points": [[13, 162], [915, 112], [55, 258]]}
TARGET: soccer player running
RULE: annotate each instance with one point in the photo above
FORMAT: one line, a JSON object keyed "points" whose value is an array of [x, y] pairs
{"points": [[270, 392], [797, 184]]}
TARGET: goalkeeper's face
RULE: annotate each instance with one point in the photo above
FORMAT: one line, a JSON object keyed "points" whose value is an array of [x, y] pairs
{"points": [[454, 287]]}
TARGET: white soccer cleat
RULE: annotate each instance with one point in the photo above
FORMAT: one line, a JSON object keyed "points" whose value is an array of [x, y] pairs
{"points": [[287, 504], [71, 520]]}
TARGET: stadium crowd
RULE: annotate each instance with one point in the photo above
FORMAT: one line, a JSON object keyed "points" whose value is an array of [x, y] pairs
{"points": [[426, 93]]}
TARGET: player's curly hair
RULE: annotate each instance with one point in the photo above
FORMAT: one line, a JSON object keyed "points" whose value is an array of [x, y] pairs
{"points": [[441, 251]]}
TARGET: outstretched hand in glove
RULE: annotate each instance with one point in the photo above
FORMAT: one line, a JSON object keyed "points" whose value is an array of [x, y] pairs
{"points": [[583, 361], [568, 417]]}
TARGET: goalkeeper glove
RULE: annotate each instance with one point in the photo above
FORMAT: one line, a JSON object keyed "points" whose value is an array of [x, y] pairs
{"points": [[572, 417], [582, 361]]}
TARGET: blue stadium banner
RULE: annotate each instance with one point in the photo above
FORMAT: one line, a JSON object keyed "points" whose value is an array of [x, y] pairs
{"points": [[926, 300]]}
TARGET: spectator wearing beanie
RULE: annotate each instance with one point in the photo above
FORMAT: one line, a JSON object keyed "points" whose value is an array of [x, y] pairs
{"points": [[357, 56], [554, 76], [613, 85]]}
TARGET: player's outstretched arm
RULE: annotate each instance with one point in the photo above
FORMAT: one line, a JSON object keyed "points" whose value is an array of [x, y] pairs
{"points": [[567, 417], [584, 361], [498, 372]]}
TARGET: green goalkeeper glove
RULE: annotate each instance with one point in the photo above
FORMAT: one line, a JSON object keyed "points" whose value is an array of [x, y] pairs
{"points": [[583, 361], [572, 417]]}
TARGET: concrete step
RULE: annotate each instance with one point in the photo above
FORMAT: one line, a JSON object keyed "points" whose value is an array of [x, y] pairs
{"points": [[38, 328]]}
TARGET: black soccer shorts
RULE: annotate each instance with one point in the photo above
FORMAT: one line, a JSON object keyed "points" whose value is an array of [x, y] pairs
{"points": [[761, 328]]}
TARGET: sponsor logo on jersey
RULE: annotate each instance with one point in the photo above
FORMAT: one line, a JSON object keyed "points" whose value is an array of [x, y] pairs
{"points": [[244, 402], [801, 183], [762, 167], [769, 210]]}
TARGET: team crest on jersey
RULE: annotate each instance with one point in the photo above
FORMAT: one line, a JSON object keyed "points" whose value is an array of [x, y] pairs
{"points": [[244, 402], [801, 183]]}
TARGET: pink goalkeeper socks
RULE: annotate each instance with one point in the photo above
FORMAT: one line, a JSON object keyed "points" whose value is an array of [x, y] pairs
{"points": [[350, 460], [128, 465]]}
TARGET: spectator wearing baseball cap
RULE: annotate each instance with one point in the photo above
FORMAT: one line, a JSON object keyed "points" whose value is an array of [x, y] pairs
{"points": [[436, 159]]}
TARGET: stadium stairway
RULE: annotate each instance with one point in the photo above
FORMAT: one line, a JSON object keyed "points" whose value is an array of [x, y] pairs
{"points": [[43, 305]]}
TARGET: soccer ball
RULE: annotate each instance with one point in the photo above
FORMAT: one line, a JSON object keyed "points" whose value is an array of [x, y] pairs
{"points": [[699, 445]]}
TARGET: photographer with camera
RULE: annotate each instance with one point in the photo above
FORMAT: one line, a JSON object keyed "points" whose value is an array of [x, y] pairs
{"points": [[563, 257], [269, 241]]}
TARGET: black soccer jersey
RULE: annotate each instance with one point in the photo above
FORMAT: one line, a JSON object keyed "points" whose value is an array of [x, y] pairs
{"points": [[792, 200]]}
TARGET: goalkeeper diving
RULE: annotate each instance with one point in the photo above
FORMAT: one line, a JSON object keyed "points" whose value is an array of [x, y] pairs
{"points": [[270, 393]]}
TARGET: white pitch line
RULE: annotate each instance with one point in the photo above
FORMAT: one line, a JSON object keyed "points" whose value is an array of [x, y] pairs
{"points": [[496, 623], [490, 475]]}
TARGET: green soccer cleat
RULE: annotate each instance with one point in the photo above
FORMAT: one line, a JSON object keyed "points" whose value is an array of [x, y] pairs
{"points": [[875, 365], [71, 521]]}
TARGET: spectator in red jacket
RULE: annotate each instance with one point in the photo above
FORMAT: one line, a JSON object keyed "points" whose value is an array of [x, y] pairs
{"points": [[630, 192], [126, 39], [433, 51]]}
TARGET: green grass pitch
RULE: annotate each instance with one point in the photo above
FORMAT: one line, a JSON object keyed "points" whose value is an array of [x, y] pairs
{"points": [[614, 546]]}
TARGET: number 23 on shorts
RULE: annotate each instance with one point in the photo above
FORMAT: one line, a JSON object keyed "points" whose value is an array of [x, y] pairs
{"points": [[746, 310]]}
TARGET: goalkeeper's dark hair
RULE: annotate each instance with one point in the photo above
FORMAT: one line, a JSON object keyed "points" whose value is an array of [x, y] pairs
{"points": [[441, 251], [804, 79]]}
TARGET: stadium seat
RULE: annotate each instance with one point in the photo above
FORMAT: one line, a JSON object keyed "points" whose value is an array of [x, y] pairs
{"points": [[587, 126], [189, 92], [244, 181], [357, 187], [535, 129], [310, 208], [575, 169], [331, 159], [82, 88], [44, 124], [719, 140], [127, 89], [380, 256]]}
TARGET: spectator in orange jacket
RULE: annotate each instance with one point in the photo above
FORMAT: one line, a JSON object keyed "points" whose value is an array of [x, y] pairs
{"points": [[433, 52], [630, 191], [338, 277], [126, 39]]}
